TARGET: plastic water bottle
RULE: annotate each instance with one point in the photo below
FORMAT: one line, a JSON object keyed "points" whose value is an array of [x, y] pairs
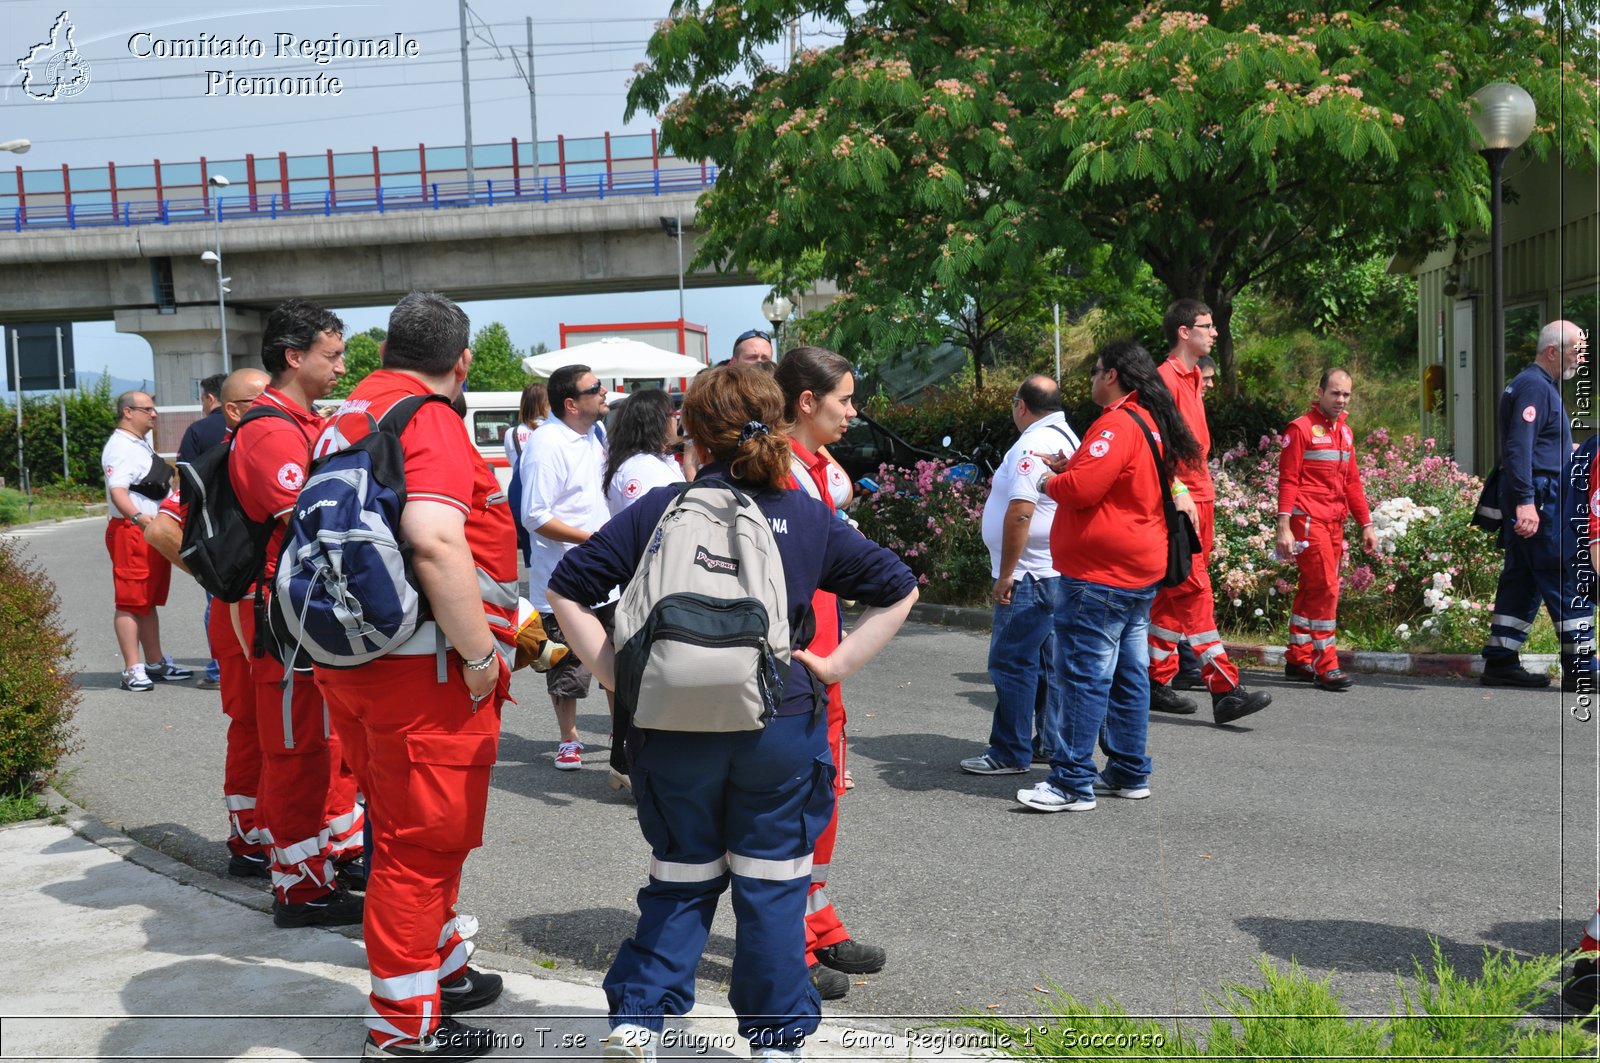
{"points": [[1301, 544]]}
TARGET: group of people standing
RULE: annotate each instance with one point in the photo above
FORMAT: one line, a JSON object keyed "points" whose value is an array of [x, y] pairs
{"points": [[1088, 629]]}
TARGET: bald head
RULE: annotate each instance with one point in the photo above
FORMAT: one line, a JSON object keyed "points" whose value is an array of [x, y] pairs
{"points": [[1563, 347], [240, 391]]}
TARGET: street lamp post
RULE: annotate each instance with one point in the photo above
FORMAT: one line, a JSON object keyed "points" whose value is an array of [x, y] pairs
{"points": [[1504, 116], [220, 182], [19, 146], [776, 309], [673, 226]]}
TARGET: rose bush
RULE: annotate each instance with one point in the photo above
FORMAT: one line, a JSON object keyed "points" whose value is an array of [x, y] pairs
{"points": [[1429, 587], [934, 521]]}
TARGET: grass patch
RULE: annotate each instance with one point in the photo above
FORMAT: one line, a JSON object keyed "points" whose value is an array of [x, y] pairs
{"points": [[21, 805], [1441, 1015], [49, 503]]}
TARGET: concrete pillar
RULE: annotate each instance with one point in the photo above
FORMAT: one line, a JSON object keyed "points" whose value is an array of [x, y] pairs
{"points": [[187, 346]]}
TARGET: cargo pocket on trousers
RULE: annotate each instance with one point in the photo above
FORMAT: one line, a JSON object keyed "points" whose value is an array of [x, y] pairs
{"points": [[818, 810], [449, 789], [652, 816]]}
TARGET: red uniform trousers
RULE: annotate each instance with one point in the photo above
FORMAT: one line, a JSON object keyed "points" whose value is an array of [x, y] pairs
{"points": [[1313, 622], [823, 925], [423, 758], [1189, 611], [241, 766], [302, 787]]}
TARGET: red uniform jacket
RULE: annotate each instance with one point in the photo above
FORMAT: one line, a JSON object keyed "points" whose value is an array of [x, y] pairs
{"points": [[1317, 473], [1109, 526]]}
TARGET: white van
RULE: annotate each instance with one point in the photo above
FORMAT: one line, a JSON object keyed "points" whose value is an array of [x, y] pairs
{"points": [[489, 414]]}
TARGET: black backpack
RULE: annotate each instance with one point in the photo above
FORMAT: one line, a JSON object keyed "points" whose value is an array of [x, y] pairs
{"points": [[224, 549]]}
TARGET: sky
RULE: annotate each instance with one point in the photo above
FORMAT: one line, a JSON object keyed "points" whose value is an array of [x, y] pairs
{"points": [[139, 105]]}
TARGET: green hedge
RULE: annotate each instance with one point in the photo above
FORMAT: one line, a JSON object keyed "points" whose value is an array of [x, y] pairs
{"points": [[90, 422], [37, 693]]}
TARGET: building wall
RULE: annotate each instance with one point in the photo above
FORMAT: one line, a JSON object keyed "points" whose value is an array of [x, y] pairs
{"points": [[1552, 269]]}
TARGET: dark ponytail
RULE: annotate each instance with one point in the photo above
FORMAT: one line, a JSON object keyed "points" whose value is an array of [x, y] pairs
{"points": [[1136, 371]]}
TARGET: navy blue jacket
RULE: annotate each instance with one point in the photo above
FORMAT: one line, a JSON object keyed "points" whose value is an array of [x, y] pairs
{"points": [[1537, 439], [201, 436], [818, 551]]}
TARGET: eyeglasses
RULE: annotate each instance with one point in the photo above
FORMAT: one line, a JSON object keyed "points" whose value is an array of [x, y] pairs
{"points": [[1208, 326], [1096, 371], [142, 409], [1015, 399], [596, 388], [752, 334]]}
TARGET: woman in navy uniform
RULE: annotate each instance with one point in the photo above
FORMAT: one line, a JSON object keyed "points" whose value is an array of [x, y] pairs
{"points": [[741, 808]]}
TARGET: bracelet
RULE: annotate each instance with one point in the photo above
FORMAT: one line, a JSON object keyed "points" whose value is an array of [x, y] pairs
{"points": [[481, 663], [1179, 489]]}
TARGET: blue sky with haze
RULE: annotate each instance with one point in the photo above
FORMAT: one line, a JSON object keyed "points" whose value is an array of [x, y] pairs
{"points": [[138, 109]]}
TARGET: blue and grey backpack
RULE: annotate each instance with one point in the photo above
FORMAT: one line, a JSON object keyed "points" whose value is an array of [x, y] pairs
{"points": [[345, 593]]}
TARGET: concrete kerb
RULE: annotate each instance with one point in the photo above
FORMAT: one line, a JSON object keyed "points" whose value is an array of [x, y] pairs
{"points": [[1464, 665]]}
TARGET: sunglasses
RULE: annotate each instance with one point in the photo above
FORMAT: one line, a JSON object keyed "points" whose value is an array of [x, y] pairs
{"points": [[752, 334], [596, 388]]}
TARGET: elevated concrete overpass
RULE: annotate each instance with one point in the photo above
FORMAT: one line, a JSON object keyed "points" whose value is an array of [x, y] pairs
{"points": [[150, 279]]}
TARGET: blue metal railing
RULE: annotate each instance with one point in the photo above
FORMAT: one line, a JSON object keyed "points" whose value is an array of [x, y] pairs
{"points": [[436, 195]]}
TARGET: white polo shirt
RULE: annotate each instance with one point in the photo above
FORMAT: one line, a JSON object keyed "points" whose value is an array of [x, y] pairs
{"points": [[1018, 478], [563, 477], [127, 459], [641, 473]]}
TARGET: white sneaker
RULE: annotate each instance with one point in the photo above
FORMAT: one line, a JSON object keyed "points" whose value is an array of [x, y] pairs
{"points": [[1132, 793], [1046, 798], [630, 1043], [134, 679], [777, 1055]]}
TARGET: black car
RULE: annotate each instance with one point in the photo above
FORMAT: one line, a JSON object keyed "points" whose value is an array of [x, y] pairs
{"points": [[868, 444]]}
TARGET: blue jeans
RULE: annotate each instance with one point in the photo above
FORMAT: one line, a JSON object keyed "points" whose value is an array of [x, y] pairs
{"points": [[1022, 668], [213, 673], [1104, 661]]}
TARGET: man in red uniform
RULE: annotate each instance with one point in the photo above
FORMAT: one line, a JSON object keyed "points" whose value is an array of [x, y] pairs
{"points": [[241, 768], [302, 790], [1318, 486], [424, 756], [1187, 611]]}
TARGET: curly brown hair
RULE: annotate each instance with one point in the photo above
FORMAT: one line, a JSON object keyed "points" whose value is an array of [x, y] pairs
{"points": [[719, 413]]}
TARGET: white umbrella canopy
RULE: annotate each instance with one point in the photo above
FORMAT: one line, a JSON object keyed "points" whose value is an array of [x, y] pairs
{"points": [[616, 358]]}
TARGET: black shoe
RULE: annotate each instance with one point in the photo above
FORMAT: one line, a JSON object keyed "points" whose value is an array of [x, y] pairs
{"points": [[1582, 989], [1188, 681], [474, 989], [451, 1040], [352, 875], [1238, 703], [831, 985], [1334, 679], [249, 865], [852, 957], [334, 908], [1162, 699], [1513, 676], [1298, 673]]}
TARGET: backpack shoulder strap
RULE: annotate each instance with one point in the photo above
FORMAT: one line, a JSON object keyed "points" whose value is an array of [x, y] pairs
{"points": [[260, 412], [1167, 505], [1067, 433], [399, 415]]}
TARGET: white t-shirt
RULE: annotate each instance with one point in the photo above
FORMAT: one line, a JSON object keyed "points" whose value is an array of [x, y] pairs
{"points": [[1017, 478], [127, 459], [516, 438], [562, 476], [641, 473]]}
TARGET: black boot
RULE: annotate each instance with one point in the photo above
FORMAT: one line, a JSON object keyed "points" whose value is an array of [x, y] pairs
{"points": [[1238, 703], [1164, 699]]}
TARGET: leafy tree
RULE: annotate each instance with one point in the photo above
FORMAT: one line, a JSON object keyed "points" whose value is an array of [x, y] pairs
{"points": [[496, 361], [940, 152]]}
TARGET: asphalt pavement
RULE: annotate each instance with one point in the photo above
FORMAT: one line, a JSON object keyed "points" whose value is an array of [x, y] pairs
{"points": [[1344, 831]]}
